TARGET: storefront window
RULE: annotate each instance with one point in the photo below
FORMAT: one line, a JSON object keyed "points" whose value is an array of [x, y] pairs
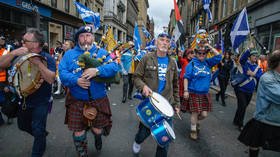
{"points": [[5, 13], [54, 3]]}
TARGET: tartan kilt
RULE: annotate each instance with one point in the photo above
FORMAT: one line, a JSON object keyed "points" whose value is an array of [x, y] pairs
{"points": [[197, 103], [74, 114]]}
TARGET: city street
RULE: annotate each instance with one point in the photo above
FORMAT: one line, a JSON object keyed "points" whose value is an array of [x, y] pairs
{"points": [[217, 137]]}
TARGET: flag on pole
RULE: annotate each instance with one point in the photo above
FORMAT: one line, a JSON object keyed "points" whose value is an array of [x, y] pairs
{"points": [[87, 15], [110, 40], [206, 6], [136, 38], [221, 41], [146, 33], [239, 30], [179, 29]]}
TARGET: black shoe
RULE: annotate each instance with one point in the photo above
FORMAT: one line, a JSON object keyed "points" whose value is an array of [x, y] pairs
{"points": [[224, 104], [240, 128], [98, 142], [2, 121], [217, 97], [129, 97], [123, 99]]}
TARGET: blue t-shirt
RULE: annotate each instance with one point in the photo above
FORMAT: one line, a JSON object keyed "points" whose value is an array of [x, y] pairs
{"points": [[162, 70]]}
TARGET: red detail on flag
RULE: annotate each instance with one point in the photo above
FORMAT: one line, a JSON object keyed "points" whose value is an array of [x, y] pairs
{"points": [[177, 12]]}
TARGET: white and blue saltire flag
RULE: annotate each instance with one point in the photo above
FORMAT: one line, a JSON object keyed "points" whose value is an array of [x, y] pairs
{"points": [[239, 30], [137, 38], [221, 41], [150, 46], [146, 33], [87, 15], [206, 6]]}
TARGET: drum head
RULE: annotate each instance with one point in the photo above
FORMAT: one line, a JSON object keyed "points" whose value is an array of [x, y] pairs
{"points": [[169, 129], [27, 77], [162, 105]]}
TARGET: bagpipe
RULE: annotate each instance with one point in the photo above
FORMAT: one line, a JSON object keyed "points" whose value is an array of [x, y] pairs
{"points": [[85, 61]]}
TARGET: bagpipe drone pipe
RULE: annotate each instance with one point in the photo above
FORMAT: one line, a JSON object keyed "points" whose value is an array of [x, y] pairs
{"points": [[85, 61]]}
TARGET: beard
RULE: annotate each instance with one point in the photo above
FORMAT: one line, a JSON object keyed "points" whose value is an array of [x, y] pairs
{"points": [[86, 46], [163, 49]]}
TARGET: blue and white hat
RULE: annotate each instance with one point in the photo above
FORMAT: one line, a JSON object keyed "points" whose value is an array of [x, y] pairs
{"points": [[83, 29], [164, 34]]}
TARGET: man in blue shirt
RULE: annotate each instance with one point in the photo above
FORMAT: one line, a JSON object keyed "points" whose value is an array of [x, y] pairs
{"points": [[85, 92], [33, 119], [157, 72]]}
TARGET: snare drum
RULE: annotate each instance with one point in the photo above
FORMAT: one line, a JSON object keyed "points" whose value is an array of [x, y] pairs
{"points": [[154, 109], [24, 76], [163, 133]]}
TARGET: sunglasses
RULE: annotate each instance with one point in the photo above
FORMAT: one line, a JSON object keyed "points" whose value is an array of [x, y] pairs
{"points": [[201, 53], [26, 41]]}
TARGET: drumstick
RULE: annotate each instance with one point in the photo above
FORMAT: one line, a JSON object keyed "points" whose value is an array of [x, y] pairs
{"points": [[151, 95]]}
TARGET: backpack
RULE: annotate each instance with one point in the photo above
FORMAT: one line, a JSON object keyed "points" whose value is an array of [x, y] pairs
{"points": [[10, 106]]}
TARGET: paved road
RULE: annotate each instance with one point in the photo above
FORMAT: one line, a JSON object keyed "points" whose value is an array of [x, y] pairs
{"points": [[217, 138]]}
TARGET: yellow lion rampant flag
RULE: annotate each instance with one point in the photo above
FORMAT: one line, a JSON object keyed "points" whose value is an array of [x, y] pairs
{"points": [[109, 40]]}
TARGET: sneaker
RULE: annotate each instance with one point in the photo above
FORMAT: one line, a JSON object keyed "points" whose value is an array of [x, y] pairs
{"points": [[193, 135], [136, 148], [57, 92]]}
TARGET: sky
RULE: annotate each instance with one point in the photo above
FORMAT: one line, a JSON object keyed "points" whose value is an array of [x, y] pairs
{"points": [[160, 10]]}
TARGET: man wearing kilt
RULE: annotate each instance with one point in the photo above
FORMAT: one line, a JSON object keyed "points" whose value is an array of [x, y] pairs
{"points": [[264, 129], [196, 86], [157, 72], [85, 92]]}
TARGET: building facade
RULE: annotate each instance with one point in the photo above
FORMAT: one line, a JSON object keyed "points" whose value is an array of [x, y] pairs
{"points": [[58, 20], [132, 13], [143, 6], [263, 16], [115, 12]]}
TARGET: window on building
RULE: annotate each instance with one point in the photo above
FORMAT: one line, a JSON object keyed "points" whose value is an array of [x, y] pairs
{"points": [[67, 5], [224, 8], [54, 3], [234, 5]]}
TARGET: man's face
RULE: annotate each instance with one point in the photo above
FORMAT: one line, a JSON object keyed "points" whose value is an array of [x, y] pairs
{"points": [[86, 40], [163, 44], [253, 58], [29, 42]]}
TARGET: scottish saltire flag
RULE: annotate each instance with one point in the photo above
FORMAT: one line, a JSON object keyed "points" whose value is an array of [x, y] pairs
{"points": [[179, 29], [136, 38], [206, 6], [239, 30], [146, 33], [150, 45], [88, 15], [221, 41]]}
